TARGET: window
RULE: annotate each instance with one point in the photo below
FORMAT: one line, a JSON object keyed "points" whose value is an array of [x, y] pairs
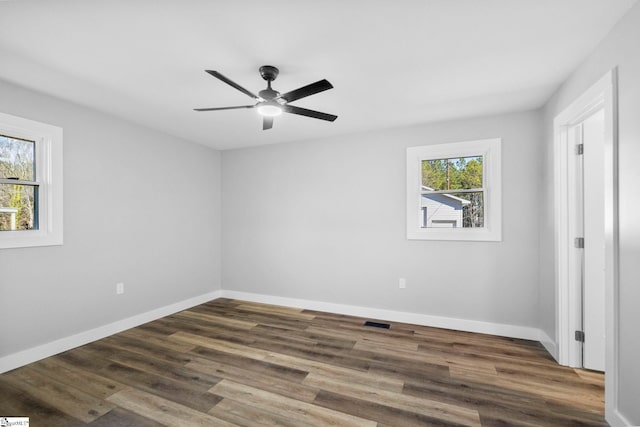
{"points": [[30, 183], [454, 191]]}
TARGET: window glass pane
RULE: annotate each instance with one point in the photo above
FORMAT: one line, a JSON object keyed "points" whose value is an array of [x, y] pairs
{"points": [[17, 158], [459, 173], [452, 210], [18, 207]]}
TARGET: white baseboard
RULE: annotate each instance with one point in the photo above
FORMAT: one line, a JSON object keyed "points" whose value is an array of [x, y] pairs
{"points": [[15, 360], [30, 355], [34, 354], [549, 344], [500, 329], [616, 419]]}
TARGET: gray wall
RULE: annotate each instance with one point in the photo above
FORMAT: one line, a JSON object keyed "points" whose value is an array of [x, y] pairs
{"points": [[619, 48], [140, 207], [325, 221]]}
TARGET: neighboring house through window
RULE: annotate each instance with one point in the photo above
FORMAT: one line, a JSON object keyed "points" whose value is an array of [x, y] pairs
{"points": [[441, 209], [30, 183], [454, 191]]}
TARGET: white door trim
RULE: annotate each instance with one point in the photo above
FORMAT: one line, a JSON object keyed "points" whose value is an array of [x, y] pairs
{"points": [[603, 94]]}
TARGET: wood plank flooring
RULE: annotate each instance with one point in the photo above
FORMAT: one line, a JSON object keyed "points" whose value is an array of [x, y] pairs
{"points": [[234, 363]]}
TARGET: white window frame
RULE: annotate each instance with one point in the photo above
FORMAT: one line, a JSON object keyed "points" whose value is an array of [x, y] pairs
{"points": [[490, 150], [48, 157]]}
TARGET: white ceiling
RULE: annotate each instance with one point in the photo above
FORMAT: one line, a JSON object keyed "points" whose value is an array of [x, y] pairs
{"points": [[392, 63]]}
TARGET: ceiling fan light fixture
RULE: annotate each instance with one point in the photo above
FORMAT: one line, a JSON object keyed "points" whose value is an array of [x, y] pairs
{"points": [[269, 109]]}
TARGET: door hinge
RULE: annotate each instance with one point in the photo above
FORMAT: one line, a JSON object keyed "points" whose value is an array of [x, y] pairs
{"points": [[580, 336], [578, 242], [580, 149]]}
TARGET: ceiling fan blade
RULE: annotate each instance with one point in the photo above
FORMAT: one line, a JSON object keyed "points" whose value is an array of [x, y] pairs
{"points": [[309, 113], [267, 123], [231, 83], [223, 108], [307, 90]]}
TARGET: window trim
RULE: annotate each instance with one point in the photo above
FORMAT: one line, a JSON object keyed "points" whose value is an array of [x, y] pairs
{"points": [[48, 173], [490, 150]]}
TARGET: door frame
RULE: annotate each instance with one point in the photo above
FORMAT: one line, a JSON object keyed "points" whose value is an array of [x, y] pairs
{"points": [[603, 94]]}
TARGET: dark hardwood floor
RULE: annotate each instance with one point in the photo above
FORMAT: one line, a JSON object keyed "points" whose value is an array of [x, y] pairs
{"points": [[229, 362]]}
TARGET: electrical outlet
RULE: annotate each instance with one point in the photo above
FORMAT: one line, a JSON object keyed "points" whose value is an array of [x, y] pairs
{"points": [[402, 283], [119, 288]]}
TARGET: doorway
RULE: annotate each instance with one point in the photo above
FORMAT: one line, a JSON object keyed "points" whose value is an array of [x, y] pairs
{"points": [[573, 211]]}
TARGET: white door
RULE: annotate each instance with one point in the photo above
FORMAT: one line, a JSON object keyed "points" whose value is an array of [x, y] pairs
{"points": [[593, 259]]}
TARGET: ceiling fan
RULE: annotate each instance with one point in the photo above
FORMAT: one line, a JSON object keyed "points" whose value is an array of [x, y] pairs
{"points": [[270, 103]]}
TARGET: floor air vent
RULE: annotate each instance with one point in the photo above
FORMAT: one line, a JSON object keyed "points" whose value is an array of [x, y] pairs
{"points": [[377, 325]]}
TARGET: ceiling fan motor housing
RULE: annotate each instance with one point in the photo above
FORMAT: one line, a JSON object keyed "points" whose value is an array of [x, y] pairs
{"points": [[269, 94]]}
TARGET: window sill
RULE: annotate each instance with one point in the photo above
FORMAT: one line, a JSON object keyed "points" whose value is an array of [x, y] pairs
{"points": [[455, 234]]}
